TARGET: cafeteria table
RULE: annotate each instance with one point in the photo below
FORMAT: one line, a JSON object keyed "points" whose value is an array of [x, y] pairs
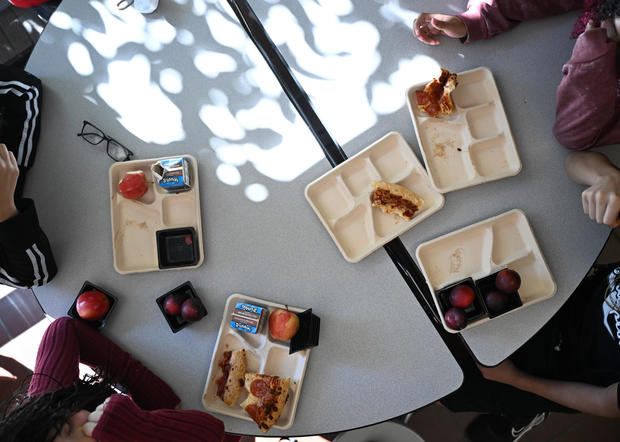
{"points": [[187, 80]]}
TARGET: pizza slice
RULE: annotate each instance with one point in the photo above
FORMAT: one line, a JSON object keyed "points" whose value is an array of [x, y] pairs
{"points": [[435, 99], [397, 199], [230, 384], [266, 398]]}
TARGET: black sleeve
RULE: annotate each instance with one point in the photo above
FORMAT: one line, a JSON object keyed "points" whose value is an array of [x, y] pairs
{"points": [[20, 118], [26, 258]]}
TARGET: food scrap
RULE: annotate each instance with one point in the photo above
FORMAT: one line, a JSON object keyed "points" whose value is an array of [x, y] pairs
{"points": [[267, 396], [435, 99], [230, 384], [396, 199]]}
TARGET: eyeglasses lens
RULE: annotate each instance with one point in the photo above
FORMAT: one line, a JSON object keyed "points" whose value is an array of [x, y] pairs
{"points": [[117, 152], [91, 134]]}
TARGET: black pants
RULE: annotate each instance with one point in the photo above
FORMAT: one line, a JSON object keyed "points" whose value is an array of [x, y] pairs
{"points": [[555, 352]]}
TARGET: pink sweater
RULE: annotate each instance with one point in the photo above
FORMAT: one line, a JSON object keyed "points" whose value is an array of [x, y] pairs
{"points": [[586, 111], [145, 416]]}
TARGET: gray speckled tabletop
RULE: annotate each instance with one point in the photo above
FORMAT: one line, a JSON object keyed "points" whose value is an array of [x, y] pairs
{"points": [[185, 79]]}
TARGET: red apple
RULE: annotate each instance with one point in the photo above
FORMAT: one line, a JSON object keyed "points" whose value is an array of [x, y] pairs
{"points": [[133, 185], [193, 310], [461, 296], [173, 302], [92, 305], [283, 325], [508, 281]]}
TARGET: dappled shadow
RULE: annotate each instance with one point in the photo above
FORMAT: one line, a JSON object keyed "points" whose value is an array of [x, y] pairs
{"points": [[163, 79]]}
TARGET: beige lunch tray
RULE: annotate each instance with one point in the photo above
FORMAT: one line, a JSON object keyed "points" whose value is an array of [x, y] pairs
{"points": [[474, 144], [483, 248], [135, 222], [263, 355], [341, 197]]}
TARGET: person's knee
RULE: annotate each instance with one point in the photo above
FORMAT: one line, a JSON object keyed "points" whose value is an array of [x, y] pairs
{"points": [[61, 323]]}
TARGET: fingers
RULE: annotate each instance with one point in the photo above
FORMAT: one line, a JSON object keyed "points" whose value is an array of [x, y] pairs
{"points": [[424, 30], [602, 207], [4, 154], [590, 25], [611, 216]]}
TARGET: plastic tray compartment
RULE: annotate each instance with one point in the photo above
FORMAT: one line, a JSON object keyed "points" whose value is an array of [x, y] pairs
{"points": [[263, 354], [341, 198], [474, 144], [135, 223], [101, 322], [483, 248]]}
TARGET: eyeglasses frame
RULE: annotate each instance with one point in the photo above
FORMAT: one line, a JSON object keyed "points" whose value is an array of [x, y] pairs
{"points": [[105, 138]]}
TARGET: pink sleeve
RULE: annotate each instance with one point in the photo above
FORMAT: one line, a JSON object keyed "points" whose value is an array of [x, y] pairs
{"points": [[586, 113], [122, 420], [486, 18], [67, 342]]}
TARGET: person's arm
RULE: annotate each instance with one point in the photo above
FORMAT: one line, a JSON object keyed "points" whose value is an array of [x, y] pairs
{"points": [[592, 399], [121, 420], [67, 342], [601, 200], [485, 18], [26, 257], [586, 113]]}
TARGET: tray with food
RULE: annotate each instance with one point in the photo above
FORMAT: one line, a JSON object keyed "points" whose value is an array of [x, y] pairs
{"points": [[259, 361], [485, 270], [462, 129], [373, 197], [155, 212]]}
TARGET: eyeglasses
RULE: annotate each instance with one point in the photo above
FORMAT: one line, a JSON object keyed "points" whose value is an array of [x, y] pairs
{"points": [[124, 4], [94, 136]]}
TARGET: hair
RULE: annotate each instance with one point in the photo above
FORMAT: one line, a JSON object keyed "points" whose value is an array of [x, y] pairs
{"points": [[609, 9], [25, 418]]}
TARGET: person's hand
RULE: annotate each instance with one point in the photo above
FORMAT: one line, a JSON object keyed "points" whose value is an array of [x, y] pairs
{"points": [[506, 372], [73, 430], [601, 201], [93, 418], [427, 26], [8, 180]]}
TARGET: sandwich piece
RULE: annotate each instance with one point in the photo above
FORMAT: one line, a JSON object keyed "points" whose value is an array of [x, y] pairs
{"points": [[266, 398], [435, 99], [230, 384], [396, 199]]}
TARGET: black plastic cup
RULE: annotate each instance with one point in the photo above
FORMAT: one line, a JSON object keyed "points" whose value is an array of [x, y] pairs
{"points": [[486, 284], [308, 334], [475, 311], [177, 247], [98, 324], [176, 322]]}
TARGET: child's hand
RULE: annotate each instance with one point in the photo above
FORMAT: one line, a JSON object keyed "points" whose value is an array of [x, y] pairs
{"points": [[601, 201], [427, 26], [8, 180]]}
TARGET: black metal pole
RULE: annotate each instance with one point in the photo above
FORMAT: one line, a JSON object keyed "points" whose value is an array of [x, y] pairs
{"points": [[335, 155]]}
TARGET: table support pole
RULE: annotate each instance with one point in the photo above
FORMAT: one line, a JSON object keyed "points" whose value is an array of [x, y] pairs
{"points": [[335, 155]]}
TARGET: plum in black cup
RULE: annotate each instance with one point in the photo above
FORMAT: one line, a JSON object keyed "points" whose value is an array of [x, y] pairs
{"points": [[496, 301], [473, 311]]}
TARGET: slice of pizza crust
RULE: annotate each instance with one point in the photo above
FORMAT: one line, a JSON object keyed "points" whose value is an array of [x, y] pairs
{"points": [[266, 398], [435, 99], [396, 199], [230, 384]]}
